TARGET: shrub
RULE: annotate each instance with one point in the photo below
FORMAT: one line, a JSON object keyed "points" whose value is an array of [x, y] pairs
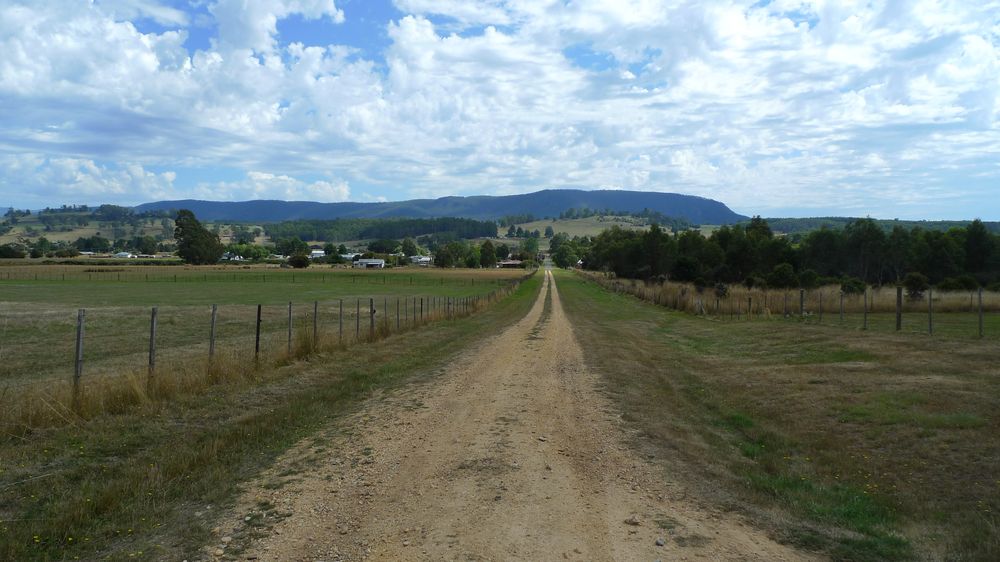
{"points": [[915, 284], [809, 279], [783, 276], [299, 261], [721, 290], [11, 251], [852, 286]]}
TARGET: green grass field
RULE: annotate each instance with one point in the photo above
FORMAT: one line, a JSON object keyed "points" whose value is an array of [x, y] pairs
{"points": [[38, 318], [857, 445], [132, 486]]}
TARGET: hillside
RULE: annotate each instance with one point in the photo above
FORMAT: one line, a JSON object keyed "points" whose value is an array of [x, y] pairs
{"points": [[541, 203]]}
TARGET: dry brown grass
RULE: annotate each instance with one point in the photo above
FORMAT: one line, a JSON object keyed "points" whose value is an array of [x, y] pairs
{"points": [[120, 387], [863, 446]]}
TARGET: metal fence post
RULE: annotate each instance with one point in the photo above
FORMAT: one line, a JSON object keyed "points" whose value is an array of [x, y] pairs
{"points": [[211, 334], [78, 359], [152, 342], [256, 345]]}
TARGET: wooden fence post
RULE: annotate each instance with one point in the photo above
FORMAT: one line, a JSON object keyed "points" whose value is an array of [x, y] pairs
{"points": [[152, 342], [357, 321], [340, 330], [864, 306], [802, 303], [930, 311], [980, 312], [821, 306], [371, 318], [78, 359], [749, 308], [899, 308], [211, 334], [421, 310], [256, 345], [289, 328], [397, 311], [841, 305], [315, 324]]}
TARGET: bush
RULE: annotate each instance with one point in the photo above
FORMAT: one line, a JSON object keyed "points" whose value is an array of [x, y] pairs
{"points": [[853, 286], [754, 281], [783, 276], [299, 261], [961, 283], [808, 279], [721, 290], [11, 251], [915, 284]]}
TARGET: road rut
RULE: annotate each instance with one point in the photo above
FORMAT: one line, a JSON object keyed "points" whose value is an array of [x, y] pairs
{"points": [[510, 453]]}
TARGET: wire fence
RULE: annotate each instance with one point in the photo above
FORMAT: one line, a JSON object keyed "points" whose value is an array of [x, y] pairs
{"points": [[41, 346], [883, 309]]}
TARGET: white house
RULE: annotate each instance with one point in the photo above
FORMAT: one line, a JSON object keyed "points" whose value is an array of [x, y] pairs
{"points": [[369, 264], [316, 254], [422, 261]]}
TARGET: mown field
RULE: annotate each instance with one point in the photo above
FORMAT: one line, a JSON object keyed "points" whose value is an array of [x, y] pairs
{"points": [[38, 318], [856, 445], [146, 482]]}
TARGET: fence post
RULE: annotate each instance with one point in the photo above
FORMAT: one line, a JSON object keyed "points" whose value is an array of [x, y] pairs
{"points": [[930, 311], [256, 345], [864, 307], [289, 328], [821, 306], [315, 324], [749, 308], [899, 308], [421, 310], [980, 312], [78, 360], [371, 318], [397, 311], [802, 303], [357, 321], [841, 305], [211, 334], [340, 331], [785, 313], [152, 342]]}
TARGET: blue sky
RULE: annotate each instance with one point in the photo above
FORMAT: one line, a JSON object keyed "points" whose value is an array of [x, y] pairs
{"points": [[886, 108]]}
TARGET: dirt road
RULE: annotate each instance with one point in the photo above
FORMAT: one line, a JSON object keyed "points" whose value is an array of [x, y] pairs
{"points": [[511, 453]]}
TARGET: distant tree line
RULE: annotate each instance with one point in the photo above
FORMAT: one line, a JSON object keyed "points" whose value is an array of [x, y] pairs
{"points": [[358, 229], [799, 227], [861, 252]]}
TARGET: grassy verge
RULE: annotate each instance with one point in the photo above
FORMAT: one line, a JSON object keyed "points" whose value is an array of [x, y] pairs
{"points": [[124, 486], [860, 446]]}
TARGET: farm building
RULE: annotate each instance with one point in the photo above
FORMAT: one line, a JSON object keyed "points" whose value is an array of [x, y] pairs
{"points": [[511, 264], [369, 264], [316, 254], [422, 261]]}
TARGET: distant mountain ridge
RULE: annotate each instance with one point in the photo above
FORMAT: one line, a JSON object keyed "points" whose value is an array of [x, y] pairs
{"points": [[551, 202]]}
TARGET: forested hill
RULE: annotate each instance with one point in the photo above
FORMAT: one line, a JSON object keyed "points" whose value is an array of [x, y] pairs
{"points": [[696, 210]]}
